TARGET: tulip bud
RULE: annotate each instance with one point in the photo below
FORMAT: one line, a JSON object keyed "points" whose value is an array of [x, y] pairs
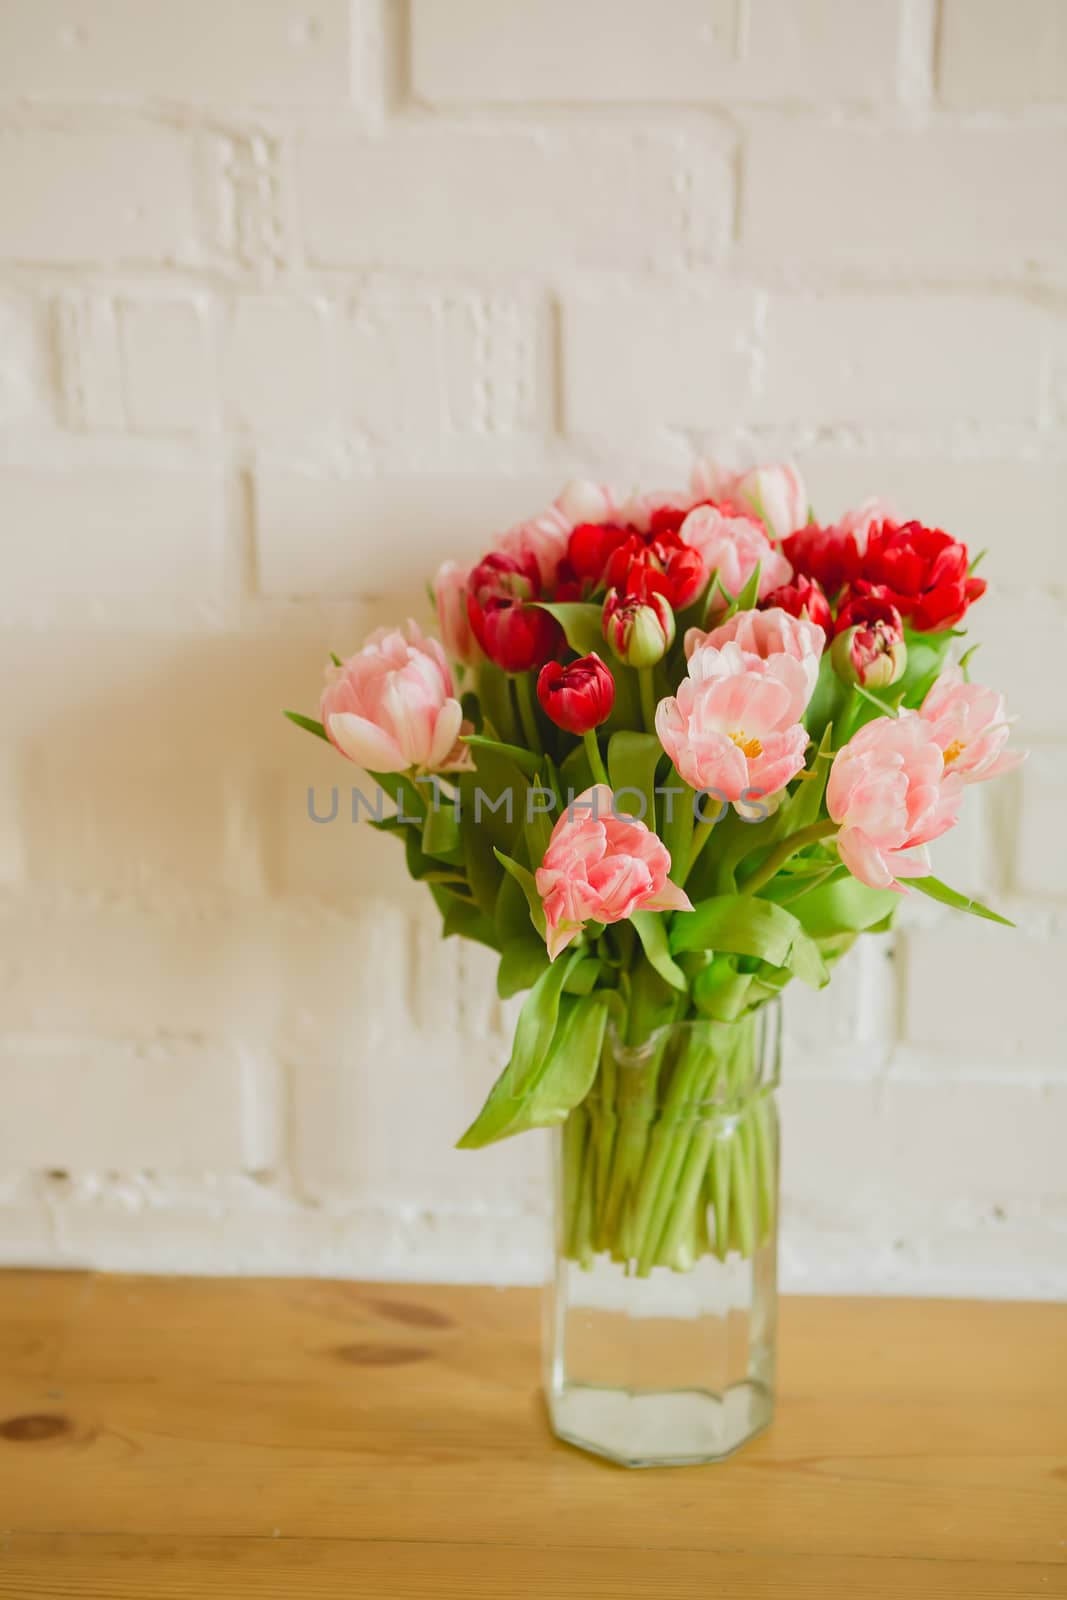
{"points": [[868, 646], [577, 697], [640, 632]]}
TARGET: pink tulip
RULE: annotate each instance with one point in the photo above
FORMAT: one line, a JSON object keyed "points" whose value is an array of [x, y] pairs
{"points": [[639, 510], [582, 501], [775, 494], [767, 635], [732, 728], [732, 547], [600, 867], [544, 538], [392, 706], [857, 523], [450, 595], [889, 792], [969, 723]]}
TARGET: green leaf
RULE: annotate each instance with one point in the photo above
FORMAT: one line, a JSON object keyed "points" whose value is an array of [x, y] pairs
{"points": [[336, 659], [494, 691], [959, 902], [787, 887], [582, 979], [652, 933], [576, 773], [537, 824], [421, 867], [828, 702], [676, 824], [626, 712], [522, 961], [409, 801], [497, 778], [483, 869], [580, 622], [847, 906], [744, 925], [553, 1061], [512, 913], [526, 760], [749, 594], [440, 832], [525, 880], [463, 918], [804, 806], [722, 993], [309, 724], [927, 653], [632, 762]]}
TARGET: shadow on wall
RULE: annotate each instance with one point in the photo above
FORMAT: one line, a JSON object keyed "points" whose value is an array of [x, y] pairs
{"points": [[183, 902]]}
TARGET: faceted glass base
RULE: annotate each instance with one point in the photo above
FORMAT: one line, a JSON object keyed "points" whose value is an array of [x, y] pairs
{"points": [[676, 1368], [677, 1428]]}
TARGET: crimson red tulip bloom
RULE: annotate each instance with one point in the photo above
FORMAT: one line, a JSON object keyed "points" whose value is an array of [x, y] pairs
{"points": [[514, 634], [664, 565], [577, 696], [589, 549], [802, 598], [830, 556], [922, 571]]}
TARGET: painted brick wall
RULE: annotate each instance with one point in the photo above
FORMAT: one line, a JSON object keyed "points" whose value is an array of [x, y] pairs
{"points": [[297, 299]]}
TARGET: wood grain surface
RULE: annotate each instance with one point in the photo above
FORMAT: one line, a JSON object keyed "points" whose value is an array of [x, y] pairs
{"points": [[228, 1437]]}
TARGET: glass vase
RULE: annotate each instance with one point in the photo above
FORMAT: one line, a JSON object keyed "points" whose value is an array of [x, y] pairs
{"points": [[660, 1319]]}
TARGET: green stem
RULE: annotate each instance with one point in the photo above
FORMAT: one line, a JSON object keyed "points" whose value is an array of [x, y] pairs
{"points": [[677, 830], [720, 1193], [701, 834], [574, 1135], [524, 696], [782, 852], [666, 1153], [648, 698], [592, 750], [690, 1183]]}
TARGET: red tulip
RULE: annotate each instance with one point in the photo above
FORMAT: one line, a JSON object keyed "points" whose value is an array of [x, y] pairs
{"points": [[663, 565], [579, 696], [589, 548], [514, 634], [921, 571], [802, 598], [831, 556]]}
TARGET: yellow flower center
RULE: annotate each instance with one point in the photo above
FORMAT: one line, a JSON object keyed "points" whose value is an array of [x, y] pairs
{"points": [[954, 751], [748, 747]]}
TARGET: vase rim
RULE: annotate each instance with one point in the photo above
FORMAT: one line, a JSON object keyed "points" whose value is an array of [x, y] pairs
{"points": [[766, 1021]]}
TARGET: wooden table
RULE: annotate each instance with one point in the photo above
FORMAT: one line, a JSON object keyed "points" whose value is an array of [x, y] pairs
{"points": [[178, 1437]]}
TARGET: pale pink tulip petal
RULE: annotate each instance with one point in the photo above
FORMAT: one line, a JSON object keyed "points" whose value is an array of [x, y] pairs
{"points": [[383, 707], [864, 860], [890, 793], [365, 744], [600, 867], [669, 898], [970, 725], [445, 733]]}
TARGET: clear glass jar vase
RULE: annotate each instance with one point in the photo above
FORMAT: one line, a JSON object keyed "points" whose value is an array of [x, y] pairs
{"points": [[660, 1321]]}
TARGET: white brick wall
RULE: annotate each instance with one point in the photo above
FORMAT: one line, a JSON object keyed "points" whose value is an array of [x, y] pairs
{"points": [[285, 321]]}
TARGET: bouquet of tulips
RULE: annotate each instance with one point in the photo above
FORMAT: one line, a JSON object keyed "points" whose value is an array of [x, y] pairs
{"points": [[669, 753]]}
